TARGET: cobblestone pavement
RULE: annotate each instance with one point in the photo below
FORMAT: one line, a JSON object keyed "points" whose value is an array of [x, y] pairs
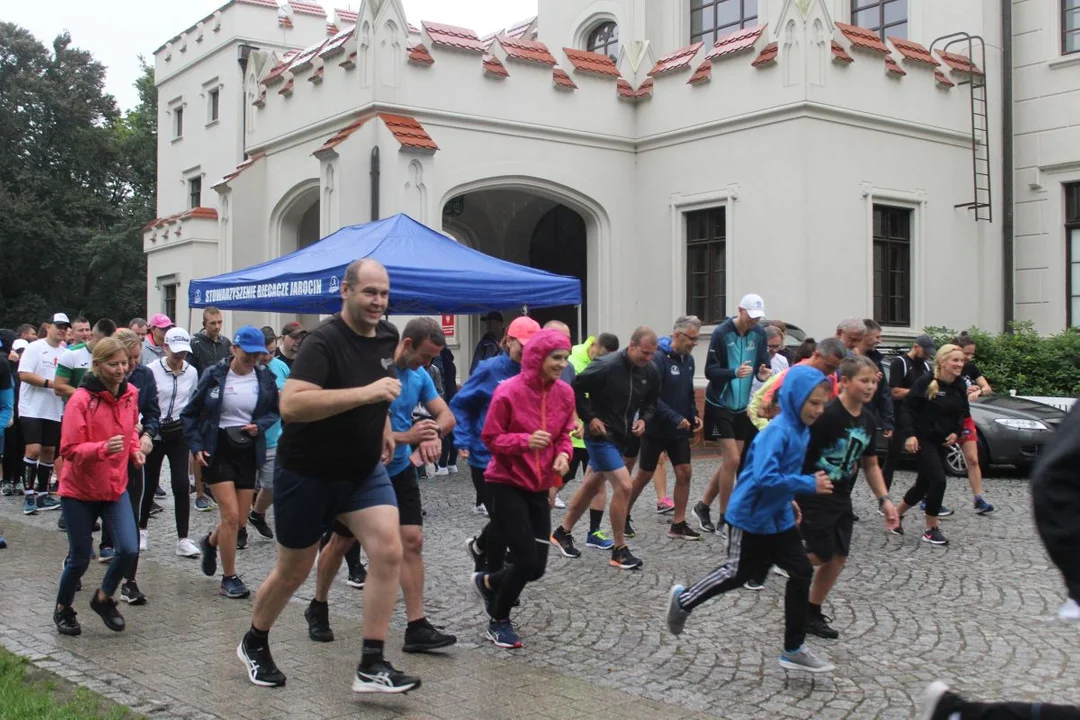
{"points": [[975, 614]]}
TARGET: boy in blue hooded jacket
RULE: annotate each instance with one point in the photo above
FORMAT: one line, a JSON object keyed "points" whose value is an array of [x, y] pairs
{"points": [[762, 516]]}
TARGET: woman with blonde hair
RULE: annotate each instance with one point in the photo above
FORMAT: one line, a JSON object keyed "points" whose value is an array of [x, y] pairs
{"points": [[98, 440], [931, 420]]}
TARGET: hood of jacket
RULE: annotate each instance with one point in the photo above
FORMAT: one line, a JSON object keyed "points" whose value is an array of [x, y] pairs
{"points": [[664, 343], [92, 384], [536, 352], [799, 383], [579, 355]]}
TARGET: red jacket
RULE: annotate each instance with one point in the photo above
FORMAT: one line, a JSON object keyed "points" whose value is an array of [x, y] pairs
{"points": [[522, 405], [91, 417]]}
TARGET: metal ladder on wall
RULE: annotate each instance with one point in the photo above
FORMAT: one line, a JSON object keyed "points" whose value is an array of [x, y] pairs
{"points": [[982, 202]]}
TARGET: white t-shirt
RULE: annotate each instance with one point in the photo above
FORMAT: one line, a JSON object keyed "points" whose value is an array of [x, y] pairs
{"points": [[238, 401], [40, 358]]}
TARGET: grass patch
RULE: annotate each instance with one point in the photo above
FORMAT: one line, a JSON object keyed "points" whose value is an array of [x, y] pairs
{"points": [[29, 693]]}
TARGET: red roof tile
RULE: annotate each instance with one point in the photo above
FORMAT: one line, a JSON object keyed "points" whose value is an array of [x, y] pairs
{"points": [[202, 213], [526, 50], [627, 92], [562, 80], [346, 16], [913, 51], [839, 53], [767, 56], [278, 70], [702, 74], [263, 3], [342, 135], [307, 8], [410, 133], [942, 80], [242, 167], [494, 67], [284, 21], [590, 62], [413, 30], [198, 213], [893, 67], [335, 44], [331, 29], [677, 60], [735, 42], [419, 54], [455, 37], [959, 63], [862, 38]]}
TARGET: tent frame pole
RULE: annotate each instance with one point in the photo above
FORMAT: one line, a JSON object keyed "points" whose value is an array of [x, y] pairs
{"points": [[578, 306]]}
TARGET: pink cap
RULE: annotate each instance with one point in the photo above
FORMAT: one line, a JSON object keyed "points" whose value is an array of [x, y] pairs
{"points": [[161, 321], [522, 329]]}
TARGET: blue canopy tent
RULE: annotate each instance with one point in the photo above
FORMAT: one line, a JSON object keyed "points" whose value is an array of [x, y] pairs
{"points": [[430, 274]]}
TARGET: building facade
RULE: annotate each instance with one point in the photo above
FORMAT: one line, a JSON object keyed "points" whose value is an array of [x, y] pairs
{"points": [[837, 157]]}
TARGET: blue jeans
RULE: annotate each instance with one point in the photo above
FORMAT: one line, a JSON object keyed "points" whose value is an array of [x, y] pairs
{"points": [[79, 516]]}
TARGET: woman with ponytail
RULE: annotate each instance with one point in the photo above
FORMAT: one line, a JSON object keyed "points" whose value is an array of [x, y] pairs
{"points": [[931, 420]]}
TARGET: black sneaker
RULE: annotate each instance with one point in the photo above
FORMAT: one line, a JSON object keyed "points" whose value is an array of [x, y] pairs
{"points": [[683, 531], [382, 677], [65, 621], [934, 536], [899, 529], [241, 538], [233, 587], [160, 492], [155, 509], [622, 558], [425, 638], [818, 624], [318, 622], [479, 557], [258, 521], [629, 531], [209, 556], [564, 543], [357, 577], [855, 518], [107, 610], [260, 665], [704, 519], [130, 593]]}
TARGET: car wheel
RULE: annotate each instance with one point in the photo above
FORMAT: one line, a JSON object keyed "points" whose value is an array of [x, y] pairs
{"points": [[955, 462]]}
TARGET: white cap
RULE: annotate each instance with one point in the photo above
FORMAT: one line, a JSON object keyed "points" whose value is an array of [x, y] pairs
{"points": [[20, 344], [753, 305], [178, 340], [60, 318]]}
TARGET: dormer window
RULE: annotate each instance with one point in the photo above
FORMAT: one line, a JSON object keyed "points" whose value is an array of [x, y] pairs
{"points": [[604, 39], [713, 19]]}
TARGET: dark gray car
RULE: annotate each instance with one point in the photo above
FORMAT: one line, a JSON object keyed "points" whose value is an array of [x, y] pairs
{"points": [[1012, 431]]}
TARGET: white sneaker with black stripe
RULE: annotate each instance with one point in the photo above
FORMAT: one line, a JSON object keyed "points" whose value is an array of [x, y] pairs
{"points": [[382, 677]]}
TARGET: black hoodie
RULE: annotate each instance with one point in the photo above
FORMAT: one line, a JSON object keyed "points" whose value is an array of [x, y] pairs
{"points": [[614, 390], [1055, 484]]}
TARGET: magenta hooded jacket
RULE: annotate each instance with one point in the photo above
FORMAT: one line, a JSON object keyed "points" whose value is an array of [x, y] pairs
{"points": [[522, 405]]}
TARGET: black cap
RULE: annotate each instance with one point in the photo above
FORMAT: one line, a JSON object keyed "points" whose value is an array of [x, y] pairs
{"points": [[494, 315], [926, 343]]}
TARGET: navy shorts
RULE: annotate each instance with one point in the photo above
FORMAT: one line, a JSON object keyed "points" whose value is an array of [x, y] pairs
{"points": [[305, 507], [604, 456]]}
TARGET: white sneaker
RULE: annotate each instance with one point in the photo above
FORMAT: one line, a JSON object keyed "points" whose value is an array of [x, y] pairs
{"points": [[560, 504], [780, 571], [187, 548], [453, 469], [430, 470], [1069, 612], [442, 471], [144, 540], [480, 510]]}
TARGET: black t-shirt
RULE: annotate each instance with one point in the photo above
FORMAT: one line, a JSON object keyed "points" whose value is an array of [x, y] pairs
{"points": [[971, 374], [345, 446], [903, 371], [838, 441], [282, 358]]}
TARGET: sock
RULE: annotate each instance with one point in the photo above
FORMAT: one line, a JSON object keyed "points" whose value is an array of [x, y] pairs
{"points": [[815, 610], [315, 602], [595, 518], [978, 498], [372, 652], [44, 472], [29, 475], [414, 624], [257, 638]]}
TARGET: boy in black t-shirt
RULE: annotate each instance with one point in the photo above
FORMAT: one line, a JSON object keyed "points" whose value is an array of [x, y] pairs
{"points": [[840, 441]]}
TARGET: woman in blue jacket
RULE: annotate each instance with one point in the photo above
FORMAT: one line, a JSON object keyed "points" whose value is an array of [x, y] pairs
{"points": [[225, 426]]}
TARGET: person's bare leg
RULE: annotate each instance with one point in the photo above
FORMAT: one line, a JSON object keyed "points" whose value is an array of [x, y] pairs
{"points": [[825, 576], [224, 535], [660, 477], [199, 490], [412, 571], [620, 498], [732, 451], [599, 500], [378, 531], [289, 573], [263, 501], [712, 490], [975, 478], [326, 569], [681, 497], [590, 486]]}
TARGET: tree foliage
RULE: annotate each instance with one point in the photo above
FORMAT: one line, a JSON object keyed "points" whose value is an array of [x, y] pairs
{"points": [[77, 183]]}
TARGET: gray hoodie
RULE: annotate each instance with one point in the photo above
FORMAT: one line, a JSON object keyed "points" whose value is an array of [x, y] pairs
{"points": [[150, 351]]}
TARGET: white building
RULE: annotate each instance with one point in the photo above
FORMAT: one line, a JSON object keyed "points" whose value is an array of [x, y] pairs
{"points": [[709, 148]]}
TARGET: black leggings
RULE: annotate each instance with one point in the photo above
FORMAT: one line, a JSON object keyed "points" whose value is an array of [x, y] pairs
{"points": [[176, 449], [135, 486], [523, 520], [449, 452], [479, 484], [930, 483], [892, 457]]}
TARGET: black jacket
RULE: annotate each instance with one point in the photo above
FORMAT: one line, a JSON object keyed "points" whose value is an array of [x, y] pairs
{"points": [[615, 390], [488, 347], [676, 402], [203, 413], [1055, 485], [934, 419], [143, 380], [882, 405], [205, 352]]}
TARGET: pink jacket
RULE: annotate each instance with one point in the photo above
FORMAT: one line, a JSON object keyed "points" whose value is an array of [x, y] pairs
{"points": [[521, 406], [91, 417]]}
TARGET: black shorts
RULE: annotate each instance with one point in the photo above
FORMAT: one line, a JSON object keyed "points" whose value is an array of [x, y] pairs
{"points": [[410, 508], [632, 447], [232, 464], [677, 449], [579, 460], [306, 507], [826, 525], [37, 431], [724, 424]]}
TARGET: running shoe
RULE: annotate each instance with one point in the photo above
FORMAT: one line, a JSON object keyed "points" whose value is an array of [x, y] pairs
{"points": [[441, 472], [502, 633], [665, 505], [943, 512], [599, 540], [453, 469], [754, 585], [160, 492], [3, 542], [676, 616], [47, 502], [107, 610], [202, 504], [982, 507], [357, 577], [106, 554], [155, 509], [144, 540], [7, 489], [560, 504], [486, 595], [233, 587], [704, 519], [934, 536], [804, 659], [130, 593], [425, 638], [209, 556], [382, 677], [479, 557], [60, 524], [899, 529], [317, 615], [629, 530], [855, 518], [1069, 612], [564, 541], [242, 538], [623, 559], [480, 510], [258, 521], [65, 622], [818, 624], [938, 702], [30, 506], [780, 571], [187, 548], [683, 531], [260, 665]]}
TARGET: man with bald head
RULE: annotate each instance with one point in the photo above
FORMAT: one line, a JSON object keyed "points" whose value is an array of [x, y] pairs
{"points": [[330, 469]]}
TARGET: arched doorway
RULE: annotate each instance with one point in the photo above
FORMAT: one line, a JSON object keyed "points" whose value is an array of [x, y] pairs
{"points": [[559, 245], [297, 223]]}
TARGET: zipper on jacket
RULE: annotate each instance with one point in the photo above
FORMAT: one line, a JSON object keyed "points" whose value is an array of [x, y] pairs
{"points": [[629, 404], [543, 426], [172, 401]]}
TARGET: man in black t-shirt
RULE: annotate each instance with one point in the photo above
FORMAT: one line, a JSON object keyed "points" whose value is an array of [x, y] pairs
{"points": [[841, 441], [330, 459], [903, 372], [292, 335]]}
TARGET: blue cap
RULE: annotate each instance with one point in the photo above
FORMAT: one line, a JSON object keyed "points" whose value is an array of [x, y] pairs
{"points": [[250, 339]]}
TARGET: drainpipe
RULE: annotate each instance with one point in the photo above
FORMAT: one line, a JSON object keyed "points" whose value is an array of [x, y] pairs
{"points": [[1008, 194], [375, 183], [242, 56]]}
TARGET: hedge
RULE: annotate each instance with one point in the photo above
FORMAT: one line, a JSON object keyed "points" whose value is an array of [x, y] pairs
{"points": [[1025, 361]]}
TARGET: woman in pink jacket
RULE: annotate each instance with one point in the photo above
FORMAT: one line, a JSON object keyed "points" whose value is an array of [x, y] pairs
{"points": [[97, 441], [527, 431]]}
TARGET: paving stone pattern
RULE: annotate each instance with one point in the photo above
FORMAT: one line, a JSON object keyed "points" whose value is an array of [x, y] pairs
{"points": [[976, 614]]}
